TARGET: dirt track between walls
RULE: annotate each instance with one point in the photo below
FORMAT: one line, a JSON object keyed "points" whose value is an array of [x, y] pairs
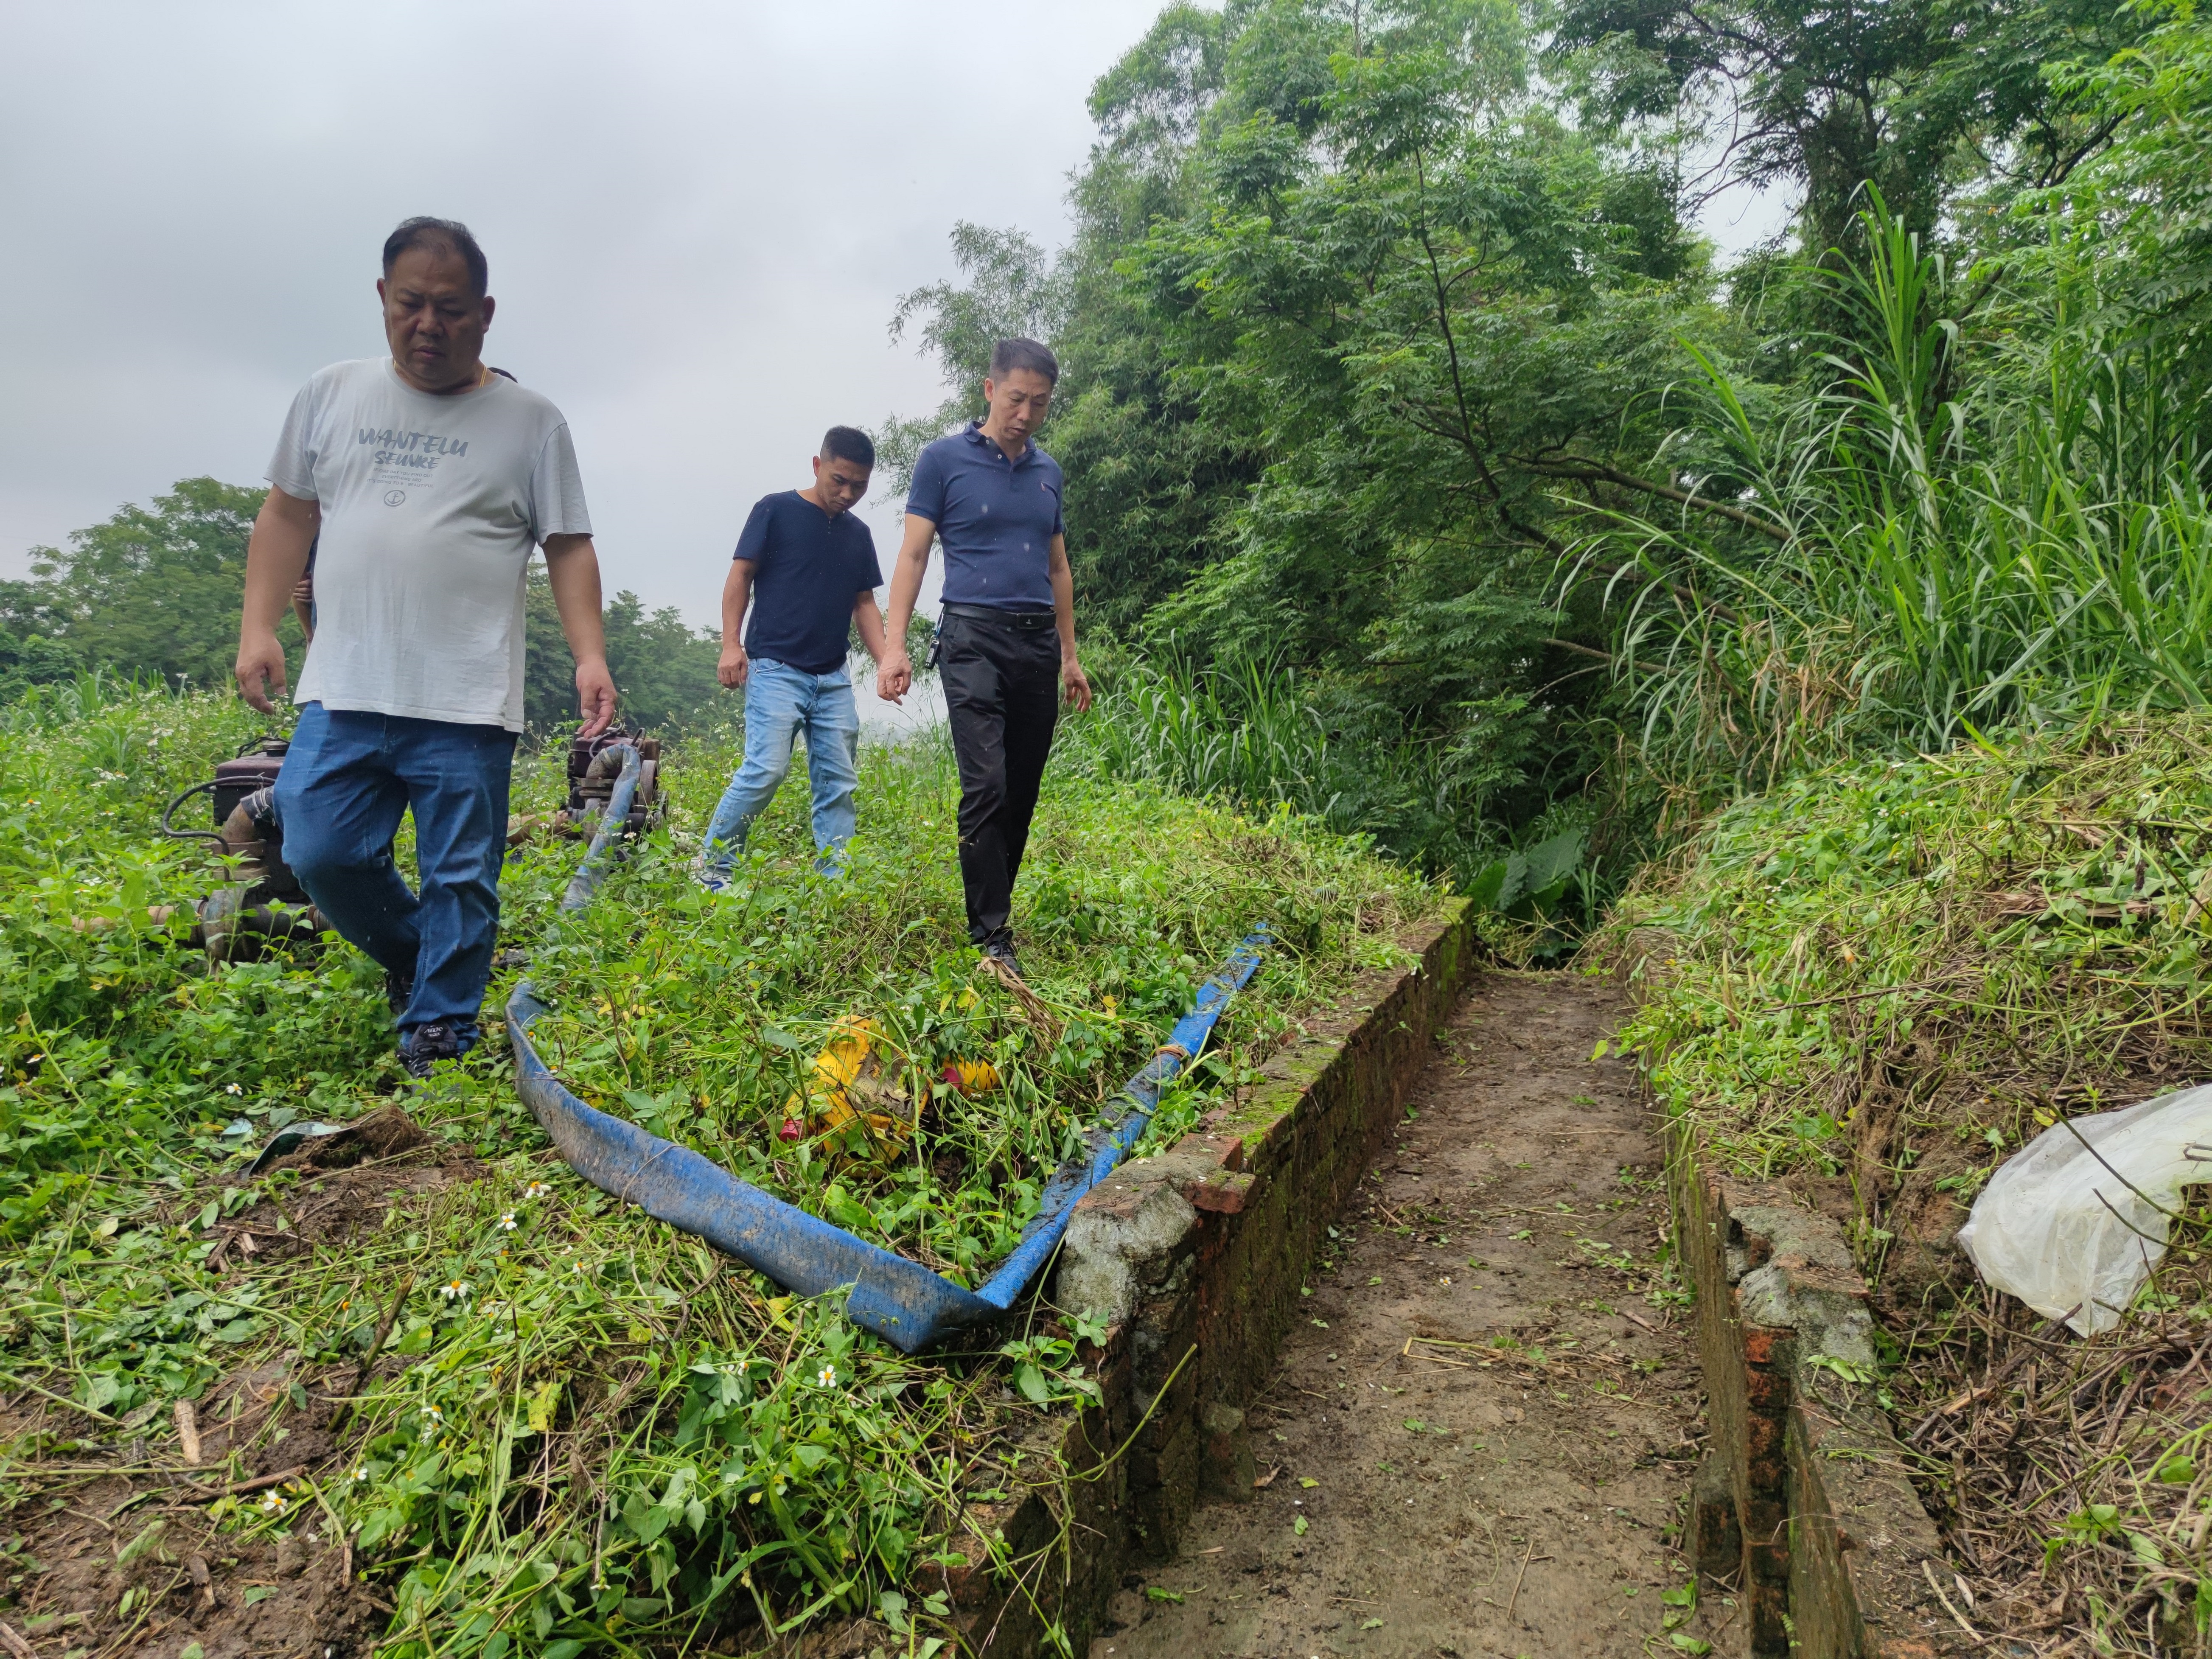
{"points": [[1489, 1422]]}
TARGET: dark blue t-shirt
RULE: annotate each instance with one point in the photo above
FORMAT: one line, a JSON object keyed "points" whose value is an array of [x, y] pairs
{"points": [[808, 570], [996, 518]]}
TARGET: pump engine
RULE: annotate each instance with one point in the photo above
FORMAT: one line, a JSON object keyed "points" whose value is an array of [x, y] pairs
{"points": [[262, 904]]}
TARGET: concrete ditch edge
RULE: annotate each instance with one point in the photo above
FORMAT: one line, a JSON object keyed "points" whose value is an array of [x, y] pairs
{"points": [[1198, 1254], [1804, 1510]]}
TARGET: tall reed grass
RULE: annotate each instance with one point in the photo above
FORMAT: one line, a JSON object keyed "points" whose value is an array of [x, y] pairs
{"points": [[2036, 550]]}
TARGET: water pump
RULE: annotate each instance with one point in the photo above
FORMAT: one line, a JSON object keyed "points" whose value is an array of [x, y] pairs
{"points": [[263, 904], [593, 765]]}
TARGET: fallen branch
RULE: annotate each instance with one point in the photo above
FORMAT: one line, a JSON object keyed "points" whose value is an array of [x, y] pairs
{"points": [[1862, 996], [62, 1400], [1972, 1635], [238, 1488], [1514, 1600], [1989, 1385], [375, 1347]]}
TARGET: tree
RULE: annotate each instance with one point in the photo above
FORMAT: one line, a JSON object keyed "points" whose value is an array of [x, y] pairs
{"points": [[153, 591], [30, 655], [156, 592], [1359, 341], [1446, 321], [1011, 290], [1921, 99], [663, 668], [2140, 215]]}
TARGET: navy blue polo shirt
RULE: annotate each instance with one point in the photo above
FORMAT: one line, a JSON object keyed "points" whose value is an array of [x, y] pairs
{"points": [[996, 518], [808, 572]]}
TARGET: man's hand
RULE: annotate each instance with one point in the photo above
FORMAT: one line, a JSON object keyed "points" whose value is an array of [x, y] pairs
{"points": [[572, 566], [1075, 683], [894, 674], [595, 696], [260, 669], [733, 666]]}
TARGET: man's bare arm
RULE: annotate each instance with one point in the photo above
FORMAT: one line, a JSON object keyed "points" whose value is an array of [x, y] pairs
{"points": [[276, 558], [870, 621], [737, 595], [1072, 679], [894, 671], [572, 563]]}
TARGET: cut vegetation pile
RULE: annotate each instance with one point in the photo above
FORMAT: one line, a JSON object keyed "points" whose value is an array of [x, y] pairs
{"points": [[1877, 983], [538, 1422]]}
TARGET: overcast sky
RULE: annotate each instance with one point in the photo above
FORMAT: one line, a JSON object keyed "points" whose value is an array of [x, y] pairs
{"points": [[698, 217]]}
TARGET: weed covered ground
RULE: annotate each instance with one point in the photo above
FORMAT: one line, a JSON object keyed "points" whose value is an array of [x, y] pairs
{"points": [[508, 1414], [1878, 982]]}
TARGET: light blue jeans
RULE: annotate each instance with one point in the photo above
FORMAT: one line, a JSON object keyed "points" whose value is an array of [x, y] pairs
{"points": [[780, 703]]}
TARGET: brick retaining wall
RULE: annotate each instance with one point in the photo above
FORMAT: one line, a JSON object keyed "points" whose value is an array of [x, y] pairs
{"points": [[1804, 1506], [1198, 1254]]}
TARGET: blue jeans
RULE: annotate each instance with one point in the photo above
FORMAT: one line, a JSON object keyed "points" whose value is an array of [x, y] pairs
{"points": [[781, 702], [346, 779]]}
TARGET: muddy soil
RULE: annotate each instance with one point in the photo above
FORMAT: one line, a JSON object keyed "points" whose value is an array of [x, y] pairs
{"points": [[104, 1557], [109, 1548], [1482, 1439]]}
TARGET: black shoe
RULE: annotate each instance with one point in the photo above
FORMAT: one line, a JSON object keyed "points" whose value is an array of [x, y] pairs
{"points": [[398, 991], [999, 948], [421, 1049]]}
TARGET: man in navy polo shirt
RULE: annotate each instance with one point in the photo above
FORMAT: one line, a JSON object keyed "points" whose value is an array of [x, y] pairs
{"points": [[805, 567], [1007, 638]]}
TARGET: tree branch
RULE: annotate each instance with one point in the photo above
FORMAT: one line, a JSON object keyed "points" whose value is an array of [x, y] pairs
{"points": [[1598, 472]]}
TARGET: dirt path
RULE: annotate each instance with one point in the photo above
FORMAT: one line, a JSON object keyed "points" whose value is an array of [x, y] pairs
{"points": [[1517, 1496]]}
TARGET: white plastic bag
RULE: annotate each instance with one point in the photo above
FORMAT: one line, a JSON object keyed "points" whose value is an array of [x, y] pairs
{"points": [[2075, 1233]]}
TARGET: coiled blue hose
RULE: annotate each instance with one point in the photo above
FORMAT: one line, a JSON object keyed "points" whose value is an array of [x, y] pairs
{"points": [[900, 1300]]}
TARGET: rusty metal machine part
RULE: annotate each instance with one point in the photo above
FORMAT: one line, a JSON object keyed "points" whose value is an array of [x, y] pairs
{"points": [[263, 904], [247, 772], [594, 764]]}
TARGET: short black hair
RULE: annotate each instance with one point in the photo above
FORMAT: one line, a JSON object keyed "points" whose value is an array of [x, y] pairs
{"points": [[1033, 355], [445, 235], [848, 443]]}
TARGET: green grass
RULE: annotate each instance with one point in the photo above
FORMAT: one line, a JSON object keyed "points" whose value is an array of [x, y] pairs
{"points": [[2022, 919], [602, 1434]]}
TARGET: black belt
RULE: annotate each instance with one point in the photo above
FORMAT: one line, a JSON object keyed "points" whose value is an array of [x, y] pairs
{"points": [[984, 613]]}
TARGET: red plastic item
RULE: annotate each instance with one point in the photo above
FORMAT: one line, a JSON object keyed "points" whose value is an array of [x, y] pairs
{"points": [[791, 1131]]}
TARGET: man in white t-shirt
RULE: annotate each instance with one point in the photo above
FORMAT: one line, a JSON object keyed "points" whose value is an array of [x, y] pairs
{"points": [[429, 480]]}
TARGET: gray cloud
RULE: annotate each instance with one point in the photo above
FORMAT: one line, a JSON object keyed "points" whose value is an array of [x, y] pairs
{"points": [[698, 218]]}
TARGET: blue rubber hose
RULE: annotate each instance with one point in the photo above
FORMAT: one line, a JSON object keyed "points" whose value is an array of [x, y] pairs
{"points": [[902, 1301]]}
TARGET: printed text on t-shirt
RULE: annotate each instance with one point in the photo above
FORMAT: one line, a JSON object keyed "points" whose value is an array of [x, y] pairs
{"points": [[410, 449]]}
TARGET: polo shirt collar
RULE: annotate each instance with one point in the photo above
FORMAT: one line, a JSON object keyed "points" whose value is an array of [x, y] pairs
{"points": [[975, 436]]}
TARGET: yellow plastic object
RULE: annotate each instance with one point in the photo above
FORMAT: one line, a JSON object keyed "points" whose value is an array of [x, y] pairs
{"points": [[851, 1086], [972, 1077]]}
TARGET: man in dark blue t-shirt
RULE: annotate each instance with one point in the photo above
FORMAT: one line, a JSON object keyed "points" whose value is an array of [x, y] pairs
{"points": [[806, 568], [1008, 636]]}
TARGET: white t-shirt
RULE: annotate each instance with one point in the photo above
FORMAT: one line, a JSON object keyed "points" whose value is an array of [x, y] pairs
{"points": [[431, 507]]}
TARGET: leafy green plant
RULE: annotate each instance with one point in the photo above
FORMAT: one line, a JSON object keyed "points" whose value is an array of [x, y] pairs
{"points": [[601, 1434]]}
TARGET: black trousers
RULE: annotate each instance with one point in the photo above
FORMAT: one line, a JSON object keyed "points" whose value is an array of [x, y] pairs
{"points": [[1001, 685]]}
